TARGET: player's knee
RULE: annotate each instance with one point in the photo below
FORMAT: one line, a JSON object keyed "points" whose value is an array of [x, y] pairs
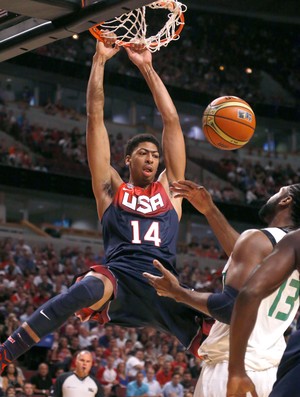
{"points": [[55, 312], [90, 289], [84, 293]]}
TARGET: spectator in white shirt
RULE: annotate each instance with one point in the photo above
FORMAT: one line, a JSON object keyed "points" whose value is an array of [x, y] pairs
{"points": [[84, 337], [121, 338], [135, 364], [107, 376], [154, 386]]}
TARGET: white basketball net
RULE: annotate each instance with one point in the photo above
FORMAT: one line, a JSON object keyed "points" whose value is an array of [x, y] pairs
{"points": [[131, 27]]}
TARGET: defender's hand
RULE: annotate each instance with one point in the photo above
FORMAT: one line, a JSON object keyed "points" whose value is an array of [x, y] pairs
{"points": [[239, 386], [166, 285], [197, 195]]}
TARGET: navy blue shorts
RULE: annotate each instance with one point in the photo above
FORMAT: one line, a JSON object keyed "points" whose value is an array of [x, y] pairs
{"points": [[136, 304], [288, 374]]}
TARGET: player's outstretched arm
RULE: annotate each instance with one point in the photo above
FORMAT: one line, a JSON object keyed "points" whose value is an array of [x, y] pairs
{"points": [[172, 139], [168, 285], [275, 268], [98, 147], [201, 199], [250, 249]]}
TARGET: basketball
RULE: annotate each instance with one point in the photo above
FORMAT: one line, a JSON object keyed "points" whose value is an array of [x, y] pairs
{"points": [[228, 123]]}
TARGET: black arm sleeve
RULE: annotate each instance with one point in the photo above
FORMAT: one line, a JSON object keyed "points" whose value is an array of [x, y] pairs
{"points": [[220, 305]]}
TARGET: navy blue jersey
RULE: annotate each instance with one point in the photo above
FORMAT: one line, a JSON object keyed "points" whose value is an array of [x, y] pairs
{"points": [[141, 223]]}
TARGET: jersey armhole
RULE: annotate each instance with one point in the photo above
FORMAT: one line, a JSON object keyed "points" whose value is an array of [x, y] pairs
{"points": [[270, 237]]}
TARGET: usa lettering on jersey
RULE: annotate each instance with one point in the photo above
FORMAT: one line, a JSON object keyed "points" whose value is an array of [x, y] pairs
{"points": [[143, 203]]}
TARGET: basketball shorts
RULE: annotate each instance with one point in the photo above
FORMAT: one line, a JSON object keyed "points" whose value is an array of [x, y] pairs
{"points": [[289, 384], [136, 304], [288, 379], [213, 380]]}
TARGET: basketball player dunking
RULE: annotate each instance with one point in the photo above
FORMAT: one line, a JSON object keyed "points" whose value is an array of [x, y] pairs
{"points": [[140, 222]]}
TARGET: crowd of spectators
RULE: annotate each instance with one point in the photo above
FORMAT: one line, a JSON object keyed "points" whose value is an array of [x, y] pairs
{"points": [[30, 275], [217, 48], [50, 149], [256, 180], [208, 41], [56, 151], [259, 181], [124, 359]]}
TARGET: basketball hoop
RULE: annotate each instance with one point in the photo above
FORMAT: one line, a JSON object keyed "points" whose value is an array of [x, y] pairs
{"points": [[132, 27]]}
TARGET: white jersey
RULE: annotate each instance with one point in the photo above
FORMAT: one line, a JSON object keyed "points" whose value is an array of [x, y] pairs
{"points": [[266, 343]]}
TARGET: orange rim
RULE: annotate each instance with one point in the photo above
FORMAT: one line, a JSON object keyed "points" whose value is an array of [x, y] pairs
{"points": [[176, 34], [96, 32]]}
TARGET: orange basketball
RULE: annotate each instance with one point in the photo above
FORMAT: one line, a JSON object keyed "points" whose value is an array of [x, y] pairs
{"points": [[228, 123]]}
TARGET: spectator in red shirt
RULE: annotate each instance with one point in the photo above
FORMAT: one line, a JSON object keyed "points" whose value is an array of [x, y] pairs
{"points": [[180, 361], [164, 374]]}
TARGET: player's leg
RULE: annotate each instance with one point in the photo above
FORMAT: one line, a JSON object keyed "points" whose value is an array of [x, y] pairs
{"points": [[92, 291], [288, 379], [199, 392], [289, 384], [263, 381], [212, 381]]}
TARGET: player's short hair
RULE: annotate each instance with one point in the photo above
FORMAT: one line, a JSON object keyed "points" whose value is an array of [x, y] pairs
{"points": [[137, 139], [294, 192]]}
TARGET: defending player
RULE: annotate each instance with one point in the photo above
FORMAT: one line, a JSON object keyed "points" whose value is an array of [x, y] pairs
{"points": [[140, 222], [274, 271], [266, 344]]}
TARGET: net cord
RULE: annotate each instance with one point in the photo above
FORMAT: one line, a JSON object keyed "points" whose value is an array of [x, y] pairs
{"points": [[131, 27]]}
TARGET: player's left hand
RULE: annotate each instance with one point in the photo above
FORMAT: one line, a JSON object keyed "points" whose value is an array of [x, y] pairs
{"points": [[239, 386], [139, 54], [167, 284]]}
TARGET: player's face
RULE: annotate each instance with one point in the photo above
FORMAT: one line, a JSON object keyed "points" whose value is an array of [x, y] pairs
{"points": [[84, 364], [268, 210], [143, 164]]}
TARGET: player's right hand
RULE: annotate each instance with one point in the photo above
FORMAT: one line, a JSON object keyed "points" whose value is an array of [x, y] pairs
{"points": [[106, 47], [167, 284], [239, 386]]}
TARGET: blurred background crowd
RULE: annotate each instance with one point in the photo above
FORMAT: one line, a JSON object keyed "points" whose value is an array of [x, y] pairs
{"points": [[202, 59], [29, 276]]}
